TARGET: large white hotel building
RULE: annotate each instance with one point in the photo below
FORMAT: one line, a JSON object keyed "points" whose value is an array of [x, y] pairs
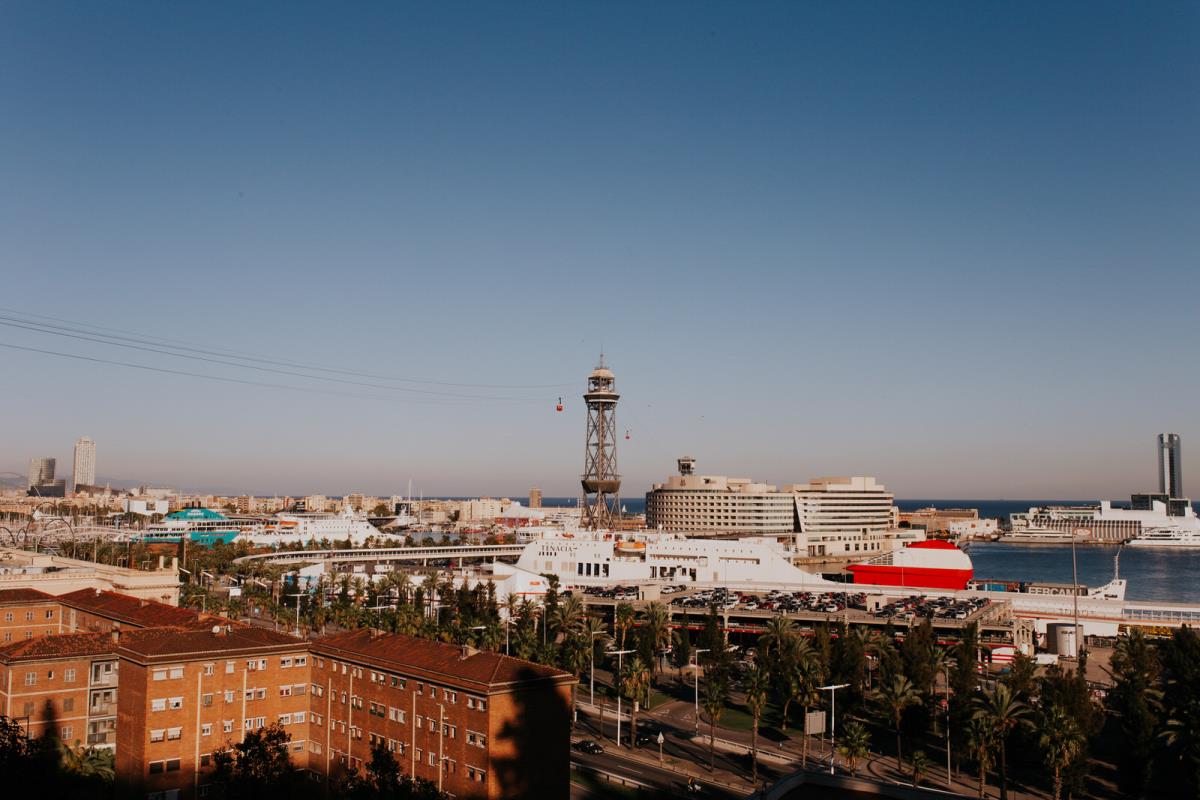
{"points": [[826, 517]]}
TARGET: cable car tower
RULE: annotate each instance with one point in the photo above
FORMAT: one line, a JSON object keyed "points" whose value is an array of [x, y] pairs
{"points": [[601, 483]]}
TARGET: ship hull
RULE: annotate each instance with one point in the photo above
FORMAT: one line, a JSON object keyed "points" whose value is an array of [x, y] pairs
{"points": [[912, 577]]}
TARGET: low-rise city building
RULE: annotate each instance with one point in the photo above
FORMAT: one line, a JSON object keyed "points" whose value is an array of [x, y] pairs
{"points": [[716, 505], [476, 724], [22, 569], [68, 681], [185, 694]]}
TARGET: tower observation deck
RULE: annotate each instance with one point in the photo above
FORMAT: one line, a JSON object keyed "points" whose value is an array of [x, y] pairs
{"points": [[601, 482]]}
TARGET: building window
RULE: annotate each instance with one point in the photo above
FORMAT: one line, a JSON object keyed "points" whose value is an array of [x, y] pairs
{"points": [[68, 676], [31, 679], [433, 759], [50, 614], [396, 714], [69, 704], [285, 663], [206, 729], [172, 765], [228, 667], [155, 768], [285, 719], [206, 699], [298, 717], [160, 675], [227, 726], [175, 703], [159, 704], [209, 669], [174, 733], [158, 735], [205, 759], [229, 695], [285, 691], [299, 689], [66, 733]]}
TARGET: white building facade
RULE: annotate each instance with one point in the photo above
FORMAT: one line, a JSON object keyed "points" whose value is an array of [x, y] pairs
{"points": [[846, 517], [84, 472], [715, 505]]}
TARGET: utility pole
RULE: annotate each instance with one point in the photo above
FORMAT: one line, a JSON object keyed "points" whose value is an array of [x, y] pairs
{"points": [[832, 689]]}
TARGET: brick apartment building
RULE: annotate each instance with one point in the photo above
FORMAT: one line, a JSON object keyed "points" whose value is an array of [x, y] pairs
{"points": [[476, 724], [28, 613], [188, 693], [69, 678], [166, 687]]}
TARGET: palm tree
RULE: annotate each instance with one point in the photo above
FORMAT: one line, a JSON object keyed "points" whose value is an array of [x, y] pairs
{"points": [[981, 738], [576, 658], [790, 661], [756, 684], [622, 622], [854, 744], [635, 685], [893, 698], [1004, 714], [809, 674], [656, 622], [919, 764], [1061, 741], [778, 633], [715, 693], [568, 614]]}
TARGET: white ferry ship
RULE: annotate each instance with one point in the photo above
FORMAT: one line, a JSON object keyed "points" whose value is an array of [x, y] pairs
{"points": [[1033, 535], [604, 558], [201, 526]]}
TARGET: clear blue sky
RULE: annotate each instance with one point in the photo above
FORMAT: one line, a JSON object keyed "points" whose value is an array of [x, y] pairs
{"points": [[952, 245]]}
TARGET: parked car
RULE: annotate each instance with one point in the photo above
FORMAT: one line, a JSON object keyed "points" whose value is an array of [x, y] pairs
{"points": [[588, 746]]}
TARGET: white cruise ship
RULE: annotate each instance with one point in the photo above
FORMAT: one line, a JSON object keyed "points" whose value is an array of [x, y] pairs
{"points": [[312, 529], [1152, 520]]}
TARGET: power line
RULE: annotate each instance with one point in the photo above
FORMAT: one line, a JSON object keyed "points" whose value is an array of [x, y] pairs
{"points": [[178, 344], [246, 382], [6, 322]]}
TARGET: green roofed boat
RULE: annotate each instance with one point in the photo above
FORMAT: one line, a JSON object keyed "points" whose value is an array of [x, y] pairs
{"points": [[200, 525]]}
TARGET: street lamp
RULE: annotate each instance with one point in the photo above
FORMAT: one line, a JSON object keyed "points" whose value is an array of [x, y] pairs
{"points": [[592, 666], [617, 686], [832, 689], [297, 595]]}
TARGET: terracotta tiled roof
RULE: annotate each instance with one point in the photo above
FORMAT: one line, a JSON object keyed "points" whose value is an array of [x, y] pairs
{"points": [[445, 662], [67, 645], [23, 596], [132, 610], [195, 644]]}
